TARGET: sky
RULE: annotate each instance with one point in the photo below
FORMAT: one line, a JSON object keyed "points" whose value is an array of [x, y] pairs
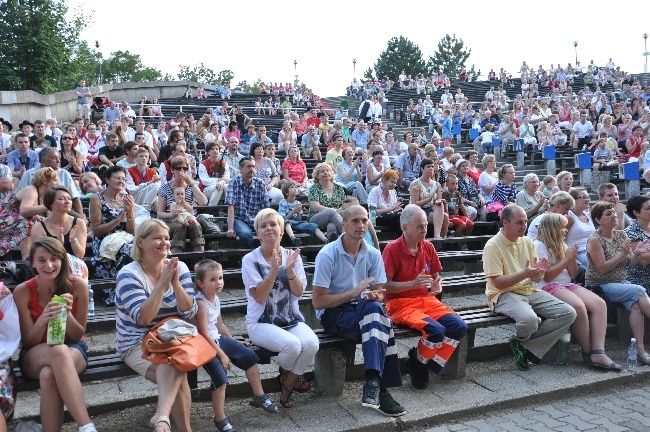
{"points": [[261, 39]]}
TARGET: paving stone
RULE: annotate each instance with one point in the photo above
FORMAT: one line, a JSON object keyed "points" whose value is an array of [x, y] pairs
{"points": [[606, 424], [550, 421], [577, 422], [550, 411], [640, 418], [578, 412]]}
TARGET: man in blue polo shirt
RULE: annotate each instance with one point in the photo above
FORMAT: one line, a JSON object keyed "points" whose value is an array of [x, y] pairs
{"points": [[347, 296], [246, 196], [22, 159]]}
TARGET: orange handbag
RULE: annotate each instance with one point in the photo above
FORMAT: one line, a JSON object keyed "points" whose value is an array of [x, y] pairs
{"points": [[184, 353]]}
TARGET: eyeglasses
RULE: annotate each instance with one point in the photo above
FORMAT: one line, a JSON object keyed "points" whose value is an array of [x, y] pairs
{"points": [[181, 168], [584, 197]]}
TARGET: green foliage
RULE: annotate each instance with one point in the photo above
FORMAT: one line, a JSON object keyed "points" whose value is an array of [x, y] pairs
{"points": [[249, 88], [450, 58], [38, 45], [41, 50], [124, 66], [225, 76], [400, 54], [368, 75], [199, 73]]}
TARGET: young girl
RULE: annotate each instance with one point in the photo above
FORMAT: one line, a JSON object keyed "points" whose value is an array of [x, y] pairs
{"points": [[37, 359], [9, 340], [184, 208], [209, 283]]}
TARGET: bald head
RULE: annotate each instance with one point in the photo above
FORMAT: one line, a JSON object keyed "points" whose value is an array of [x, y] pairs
{"points": [[353, 211]]}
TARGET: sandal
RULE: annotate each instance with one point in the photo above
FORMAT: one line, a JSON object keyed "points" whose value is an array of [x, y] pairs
{"points": [[302, 385], [263, 401], [586, 357], [224, 425], [613, 366], [162, 419], [286, 403]]}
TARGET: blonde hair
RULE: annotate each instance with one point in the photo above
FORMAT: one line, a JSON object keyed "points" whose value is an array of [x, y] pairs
{"points": [[318, 168], [93, 176], [549, 232], [144, 230], [265, 213], [43, 176]]}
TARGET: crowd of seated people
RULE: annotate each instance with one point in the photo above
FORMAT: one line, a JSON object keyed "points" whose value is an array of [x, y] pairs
{"points": [[447, 188]]}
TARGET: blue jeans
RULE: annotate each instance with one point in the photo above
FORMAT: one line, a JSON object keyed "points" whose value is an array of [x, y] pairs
{"points": [[245, 232], [623, 292]]}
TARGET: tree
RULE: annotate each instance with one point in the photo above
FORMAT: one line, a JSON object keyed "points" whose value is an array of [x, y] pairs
{"points": [[124, 66], [249, 88], [450, 59], [400, 54], [368, 75], [200, 74], [225, 76], [38, 45]]}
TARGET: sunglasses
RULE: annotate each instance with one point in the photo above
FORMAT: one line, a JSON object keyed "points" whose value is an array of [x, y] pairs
{"points": [[181, 168], [67, 138]]}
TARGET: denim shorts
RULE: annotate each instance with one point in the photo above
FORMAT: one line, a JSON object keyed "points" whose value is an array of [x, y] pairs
{"points": [[79, 345], [623, 292]]}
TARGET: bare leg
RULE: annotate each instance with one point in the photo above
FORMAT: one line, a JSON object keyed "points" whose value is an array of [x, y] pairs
{"points": [[436, 218], [459, 230], [218, 401], [181, 409], [51, 403], [288, 230], [253, 375], [3, 424], [25, 245], [320, 235], [169, 380], [69, 363], [445, 225]]}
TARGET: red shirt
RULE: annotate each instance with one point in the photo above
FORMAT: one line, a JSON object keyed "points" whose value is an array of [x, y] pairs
{"points": [[137, 175], [402, 266], [296, 170], [475, 175], [36, 310], [313, 121]]}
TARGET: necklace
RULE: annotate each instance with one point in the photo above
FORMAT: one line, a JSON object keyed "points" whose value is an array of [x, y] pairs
{"points": [[114, 201], [157, 275]]}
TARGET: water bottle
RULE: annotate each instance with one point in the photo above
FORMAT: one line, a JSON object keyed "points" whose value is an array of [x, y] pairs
{"points": [[91, 301], [373, 216], [563, 346], [631, 355]]}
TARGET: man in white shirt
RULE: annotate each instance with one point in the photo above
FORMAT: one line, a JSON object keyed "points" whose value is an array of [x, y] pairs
{"points": [[582, 131]]}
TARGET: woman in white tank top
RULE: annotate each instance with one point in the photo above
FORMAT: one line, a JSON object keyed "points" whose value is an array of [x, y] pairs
{"points": [[582, 226]]}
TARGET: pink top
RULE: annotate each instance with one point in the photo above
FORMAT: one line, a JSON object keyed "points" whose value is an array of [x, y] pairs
{"points": [[228, 134]]}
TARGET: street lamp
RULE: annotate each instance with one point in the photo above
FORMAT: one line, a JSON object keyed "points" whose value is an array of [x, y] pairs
{"points": [[295, 71], [646, 53], [575, 47], [354, 66], [99, 60]]}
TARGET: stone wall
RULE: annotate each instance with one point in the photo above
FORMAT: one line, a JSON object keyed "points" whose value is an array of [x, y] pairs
{"points": [[16, 106]]}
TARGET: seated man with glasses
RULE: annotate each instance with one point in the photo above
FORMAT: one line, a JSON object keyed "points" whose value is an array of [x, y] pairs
{"points": [[246, 196]]}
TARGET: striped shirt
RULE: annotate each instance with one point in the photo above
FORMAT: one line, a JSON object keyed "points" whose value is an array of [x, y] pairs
{"points": [[133, 288]]}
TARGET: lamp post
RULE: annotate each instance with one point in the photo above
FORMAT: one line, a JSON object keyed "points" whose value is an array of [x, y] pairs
{"points": [[354, 67], [575, 47], [99, 60], [295, 71], [646, 53]]}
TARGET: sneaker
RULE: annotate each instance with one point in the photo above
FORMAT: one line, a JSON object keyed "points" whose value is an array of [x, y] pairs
{"points": [[519, 352], [296, 242], [332, 237], [370, 395], [584, 147], [418, 371], [389, 407]]}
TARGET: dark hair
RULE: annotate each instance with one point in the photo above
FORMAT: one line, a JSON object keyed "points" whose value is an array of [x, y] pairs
{"points": [[62, 282], [598, 209], [130, 144], [112, 170], [425, 162], [254, 147], [245, 159], [175, 135], [635, 203], [50, 195]]}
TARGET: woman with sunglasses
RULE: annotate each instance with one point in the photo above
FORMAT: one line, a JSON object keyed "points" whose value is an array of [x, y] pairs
{"points": [[179, 232], [71, 159]]}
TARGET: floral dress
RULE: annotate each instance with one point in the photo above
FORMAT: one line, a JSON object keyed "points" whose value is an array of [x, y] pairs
{"points": [[316, 193], [14, 226], [109, 269]]}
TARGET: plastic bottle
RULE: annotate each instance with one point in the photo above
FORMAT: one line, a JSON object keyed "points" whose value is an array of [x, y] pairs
{"points": [[56, 325], [631, 355], [563, 346], [91, 301], [373, 216]]}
